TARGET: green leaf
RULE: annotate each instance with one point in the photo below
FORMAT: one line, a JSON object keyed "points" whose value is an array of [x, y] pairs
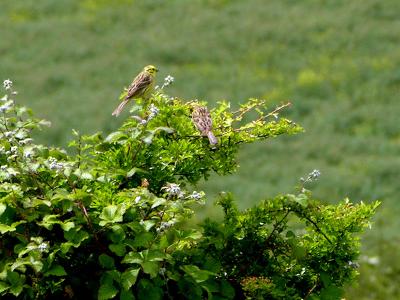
{"points": [[332, 292], [148, 224], [302, 199], [49, 220], [11, 228], [143, 239], [133, 258], [116, 136], [126, 295], [118, 249], [112, 214], [67, 226], [56, 270], [118, 234], [128, 278], [227, 290], [151, 268], [2, 208], [106, 261], [107, 291], [3, 286], [149, 291], [158, 202], [197, 274]]}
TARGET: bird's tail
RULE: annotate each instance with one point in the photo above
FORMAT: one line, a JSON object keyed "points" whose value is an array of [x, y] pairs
{"points": [[211, 137], [120, 107]]}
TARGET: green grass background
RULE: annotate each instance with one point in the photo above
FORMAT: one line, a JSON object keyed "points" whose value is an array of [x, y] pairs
{"points": [[337, 61]]}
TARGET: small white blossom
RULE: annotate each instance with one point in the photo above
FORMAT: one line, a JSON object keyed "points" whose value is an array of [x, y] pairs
{"points": [[196, 195], [14, 149], [162, 271], [28, 153], [5, 107], [3, 168], [9, 133], [7, 84], [172, 189], [153, 112], [54, 164], [312, 176], [167, 81], [354, 265], [315, 174], [42, 247], [165, 225], [2, 149], [137, 199]]}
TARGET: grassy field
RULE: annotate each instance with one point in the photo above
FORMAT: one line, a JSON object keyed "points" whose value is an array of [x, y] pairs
{"points": [[337, 61]]}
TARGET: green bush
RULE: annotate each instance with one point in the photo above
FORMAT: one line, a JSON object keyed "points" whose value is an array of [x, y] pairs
{"points": [[111, 217]]}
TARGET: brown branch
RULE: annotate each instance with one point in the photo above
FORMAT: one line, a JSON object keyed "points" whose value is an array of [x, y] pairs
{"points": [[276, 226], [318, 229]]}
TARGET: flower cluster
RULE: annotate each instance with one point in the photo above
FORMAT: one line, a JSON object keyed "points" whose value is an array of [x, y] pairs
{"points": [[312, 176], [196, 195], [54, 164], [42, 247], [165, 225], [173, 190], [7, 84], [167, 81], [5, 107], [153, 112]]}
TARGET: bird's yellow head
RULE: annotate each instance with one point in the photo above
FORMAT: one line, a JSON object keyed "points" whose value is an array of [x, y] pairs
{"points": [[152, 70]]}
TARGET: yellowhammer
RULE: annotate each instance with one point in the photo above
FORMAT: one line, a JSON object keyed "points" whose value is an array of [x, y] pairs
{"points": [[141, 87], [203, 122]]}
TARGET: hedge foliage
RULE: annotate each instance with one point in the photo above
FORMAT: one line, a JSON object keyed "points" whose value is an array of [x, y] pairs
{"points": [[111, 217]]}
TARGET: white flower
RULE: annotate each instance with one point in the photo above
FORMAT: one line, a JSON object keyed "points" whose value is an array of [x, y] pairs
{"points": [[312, 176], [54, 164], [153, 112], [167, 81], [315, 174], [172, 189], [7, 84], [196, 195], [137, 199], [28, 153], [5, 107], [165, 225], [42, 247], [14, 149]]}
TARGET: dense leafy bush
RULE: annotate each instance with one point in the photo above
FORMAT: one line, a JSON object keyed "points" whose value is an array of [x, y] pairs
{"points": [[112, 219]]}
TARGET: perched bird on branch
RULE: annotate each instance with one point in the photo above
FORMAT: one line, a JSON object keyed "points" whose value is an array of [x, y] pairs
{"points": [[203, 122], [141, 87]]}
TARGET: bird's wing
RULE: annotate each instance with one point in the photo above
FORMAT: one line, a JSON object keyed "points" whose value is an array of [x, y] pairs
{"points": [[139, 84]]}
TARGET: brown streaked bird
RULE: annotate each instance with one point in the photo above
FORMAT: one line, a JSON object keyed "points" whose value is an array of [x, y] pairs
{"points": [[141, 87], [203, 122]]}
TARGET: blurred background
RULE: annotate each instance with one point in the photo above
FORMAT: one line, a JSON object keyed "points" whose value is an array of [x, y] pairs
{"points": [[338, 61]]}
